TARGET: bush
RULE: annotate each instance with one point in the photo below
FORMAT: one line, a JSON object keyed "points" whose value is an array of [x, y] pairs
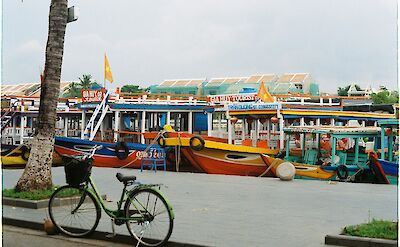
{"points": [[34, 195], [374, 229]]}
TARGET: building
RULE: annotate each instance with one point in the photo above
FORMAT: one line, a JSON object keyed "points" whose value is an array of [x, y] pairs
{"points": [[27, 89], [289, 83]]}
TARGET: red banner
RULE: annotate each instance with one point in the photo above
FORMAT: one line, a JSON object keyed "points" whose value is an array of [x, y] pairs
{"points": [[93, 95]]}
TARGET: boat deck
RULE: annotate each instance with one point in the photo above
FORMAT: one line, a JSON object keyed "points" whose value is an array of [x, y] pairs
{"points": [[218, 210]]}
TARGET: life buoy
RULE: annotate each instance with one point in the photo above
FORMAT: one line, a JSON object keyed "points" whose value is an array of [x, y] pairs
{"points": [[25, 152], [121, 150], [196, 143], [342, 172], [161, 141]]}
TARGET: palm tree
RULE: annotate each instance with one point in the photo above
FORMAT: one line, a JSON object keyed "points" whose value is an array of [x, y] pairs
{"points": [[37, 173], [85, 81], [73, 90]]}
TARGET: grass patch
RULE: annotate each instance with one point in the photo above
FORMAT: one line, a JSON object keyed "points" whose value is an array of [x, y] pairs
{"points": [[37, 194], [374, 229]]}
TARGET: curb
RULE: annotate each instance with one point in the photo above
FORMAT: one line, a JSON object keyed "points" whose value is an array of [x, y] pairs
{"points": [[33, 204], [344, 240], [97, 235]]}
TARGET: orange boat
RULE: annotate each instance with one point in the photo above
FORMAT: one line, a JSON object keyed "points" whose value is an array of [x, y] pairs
{"points": [[228, 159]]}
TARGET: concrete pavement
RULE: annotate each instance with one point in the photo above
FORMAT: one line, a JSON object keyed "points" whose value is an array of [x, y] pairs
{"points": [[22, 237], [217, 210]]}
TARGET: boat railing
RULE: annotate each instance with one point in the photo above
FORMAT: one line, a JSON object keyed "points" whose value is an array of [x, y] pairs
{"points": [[158, 101]]}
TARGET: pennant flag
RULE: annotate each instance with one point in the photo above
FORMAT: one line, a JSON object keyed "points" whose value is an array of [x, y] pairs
{"points": [[107, 71], [264, 95]]}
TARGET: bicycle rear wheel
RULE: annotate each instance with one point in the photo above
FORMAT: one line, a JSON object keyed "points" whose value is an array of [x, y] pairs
{"points": [[152, 220], [77, 215]]}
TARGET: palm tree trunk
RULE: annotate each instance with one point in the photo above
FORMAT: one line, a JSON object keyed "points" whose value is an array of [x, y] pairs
{"points": [[37, 174]]}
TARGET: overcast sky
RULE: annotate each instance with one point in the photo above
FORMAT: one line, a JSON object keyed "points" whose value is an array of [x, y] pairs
{"points": [[337, 41]]}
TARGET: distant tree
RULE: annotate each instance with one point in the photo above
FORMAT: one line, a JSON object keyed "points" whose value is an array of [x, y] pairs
{"points": [[85, 81], [132, 89], [73, 90], [385, 97], [342, 91]]}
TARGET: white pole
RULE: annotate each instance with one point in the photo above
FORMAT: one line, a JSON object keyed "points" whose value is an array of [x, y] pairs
{"points": [[168, 118], [302, 136], [66, 126], [21, 130], [190, 122], [268, 129], [228, 119], [83, 125], [116, 125], [14, 129], [281, 134], [143, 127], [219, 125], [209, 123]]}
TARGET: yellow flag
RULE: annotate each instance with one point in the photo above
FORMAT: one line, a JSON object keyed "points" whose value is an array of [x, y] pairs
{"points": [[107, 71], [264, 95]]}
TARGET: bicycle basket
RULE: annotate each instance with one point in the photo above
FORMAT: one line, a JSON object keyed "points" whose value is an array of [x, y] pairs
{"points": [[76, 172]]}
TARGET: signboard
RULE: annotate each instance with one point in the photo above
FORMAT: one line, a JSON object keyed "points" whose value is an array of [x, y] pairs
{"points": [[232, 97], [254, 106], [93, 95]]}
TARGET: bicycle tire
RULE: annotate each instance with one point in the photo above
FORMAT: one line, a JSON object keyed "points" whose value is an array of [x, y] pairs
{"points": [[148, 238], [68, 224]]}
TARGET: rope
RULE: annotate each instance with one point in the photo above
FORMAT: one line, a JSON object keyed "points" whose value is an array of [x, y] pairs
{"points": [[274, 163], [178, 152]]}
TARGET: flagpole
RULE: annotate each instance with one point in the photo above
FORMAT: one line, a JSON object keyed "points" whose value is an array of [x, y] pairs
{"points": [[104, 61]]}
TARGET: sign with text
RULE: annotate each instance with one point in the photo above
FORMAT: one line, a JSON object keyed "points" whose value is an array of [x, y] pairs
{"points": [[232, 97], [93, 95], [254, 106]]}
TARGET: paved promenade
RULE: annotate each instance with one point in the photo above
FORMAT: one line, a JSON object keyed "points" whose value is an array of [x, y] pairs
{"points": [[216, 210]]}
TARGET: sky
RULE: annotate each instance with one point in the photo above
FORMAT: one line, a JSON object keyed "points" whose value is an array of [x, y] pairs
{"points": [[337, 41]]}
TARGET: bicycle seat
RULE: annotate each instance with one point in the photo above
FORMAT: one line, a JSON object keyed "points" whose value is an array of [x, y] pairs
{"points": [[125, 179]]}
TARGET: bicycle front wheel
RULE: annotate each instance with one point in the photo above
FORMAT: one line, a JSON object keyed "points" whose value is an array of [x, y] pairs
{"points": [[74, 211], [151, 220]]}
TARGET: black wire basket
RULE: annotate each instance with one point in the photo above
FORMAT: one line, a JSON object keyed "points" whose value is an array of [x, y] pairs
{"points": [[77, 171]]}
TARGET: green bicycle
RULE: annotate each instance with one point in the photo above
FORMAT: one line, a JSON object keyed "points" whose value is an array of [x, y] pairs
{"points": [[146, 212]]}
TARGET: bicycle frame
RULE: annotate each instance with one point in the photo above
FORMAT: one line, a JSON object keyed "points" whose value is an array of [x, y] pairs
{"points": [[117, 214]]}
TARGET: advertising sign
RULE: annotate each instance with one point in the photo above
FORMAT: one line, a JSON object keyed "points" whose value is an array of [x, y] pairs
{"points": [[232, 97], [92, 95], [254, 106]]}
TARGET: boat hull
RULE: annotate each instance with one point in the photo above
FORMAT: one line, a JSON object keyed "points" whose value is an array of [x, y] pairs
{"points": [[13, 158], [106, 156], [214, 161]]}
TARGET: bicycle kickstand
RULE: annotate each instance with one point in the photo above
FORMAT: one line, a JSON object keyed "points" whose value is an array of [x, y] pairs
{"points": [[111, 235]]}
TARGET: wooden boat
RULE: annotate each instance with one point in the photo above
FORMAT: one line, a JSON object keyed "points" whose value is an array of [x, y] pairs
{"points": [[222, 158], [13, 156], [118, 154]]}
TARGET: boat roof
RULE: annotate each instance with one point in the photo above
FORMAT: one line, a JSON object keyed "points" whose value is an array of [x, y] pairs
{"points": [[389, 123], [335, 130]]}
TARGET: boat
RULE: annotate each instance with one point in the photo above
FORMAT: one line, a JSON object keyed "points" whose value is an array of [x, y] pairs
{"points": [[215, 157], [222, 158], [354, 163], [120, 154], [16, 156]]}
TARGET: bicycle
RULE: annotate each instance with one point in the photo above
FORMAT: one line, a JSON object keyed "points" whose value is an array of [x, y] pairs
{"points": [[147, 213]]}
